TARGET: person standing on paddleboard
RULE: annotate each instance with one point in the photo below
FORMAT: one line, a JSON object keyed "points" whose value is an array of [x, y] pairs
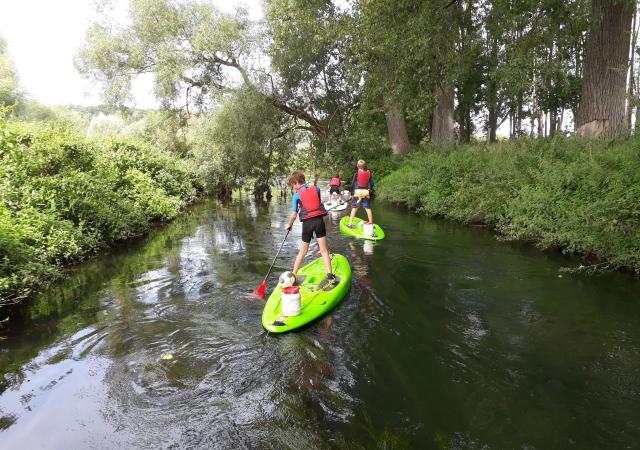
{"points": [[334, 187], [307, 204], [361, 187]]}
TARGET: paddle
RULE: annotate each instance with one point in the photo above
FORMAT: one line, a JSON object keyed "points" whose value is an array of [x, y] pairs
{"points": [[263, 286]]}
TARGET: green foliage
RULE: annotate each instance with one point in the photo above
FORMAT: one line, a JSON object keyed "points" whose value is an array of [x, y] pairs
{"points": [[63, 196], [554, 193], [164, 129], [9, 92], [104, 125], [239, 140], [75, 118], [309, 46], [187, 45]]}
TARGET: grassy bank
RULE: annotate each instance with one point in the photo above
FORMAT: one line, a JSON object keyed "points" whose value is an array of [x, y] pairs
{"points": [[582, 198], [63, 197]]}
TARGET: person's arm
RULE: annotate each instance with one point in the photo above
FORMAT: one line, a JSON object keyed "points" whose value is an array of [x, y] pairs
{"points": [[371, 182], [353, 183], [294, 211], [292, 218]]}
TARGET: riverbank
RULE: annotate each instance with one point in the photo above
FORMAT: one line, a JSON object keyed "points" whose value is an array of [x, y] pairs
{"points": [[579, 197], [64, 197]]}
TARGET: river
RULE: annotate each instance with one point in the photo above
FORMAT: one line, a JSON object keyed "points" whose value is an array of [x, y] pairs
{"points": [[447, 339]]}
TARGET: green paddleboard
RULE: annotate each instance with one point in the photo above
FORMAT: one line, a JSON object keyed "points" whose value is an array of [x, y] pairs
{"points": [[358, 232], [315, 302]]}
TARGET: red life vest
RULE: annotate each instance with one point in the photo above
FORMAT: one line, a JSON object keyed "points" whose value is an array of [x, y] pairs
{"points": [[334, 182], [311, 206], [362, 179]]}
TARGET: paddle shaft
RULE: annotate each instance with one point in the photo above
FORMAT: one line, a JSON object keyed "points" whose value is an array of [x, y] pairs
{"points": [[276, 257]]}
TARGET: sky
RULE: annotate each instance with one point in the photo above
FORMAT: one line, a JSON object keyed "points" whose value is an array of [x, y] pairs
{"points": [[44, 35]]}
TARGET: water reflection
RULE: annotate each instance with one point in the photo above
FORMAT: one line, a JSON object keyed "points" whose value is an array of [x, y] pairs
{"points": [[367, 247]]}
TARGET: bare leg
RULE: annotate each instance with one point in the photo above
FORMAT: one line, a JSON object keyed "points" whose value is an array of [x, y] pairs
{"points": [[370, 215], [324, 251], [353, 214], [304, 248]]}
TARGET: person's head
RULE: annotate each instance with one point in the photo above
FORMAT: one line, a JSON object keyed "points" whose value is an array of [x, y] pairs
{"points": [[361, 164], [296, 179]]}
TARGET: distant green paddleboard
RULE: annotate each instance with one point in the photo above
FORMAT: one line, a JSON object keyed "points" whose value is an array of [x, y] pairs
{"points": [[315, 302], [358, 232]]}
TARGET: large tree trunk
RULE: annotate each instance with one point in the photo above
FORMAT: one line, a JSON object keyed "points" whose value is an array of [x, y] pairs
{"points": [[463, 123], [442, 132], [469, 127], [632, 77], [466, 125], [541, 122], [602, 106], [553, 121], [396, 125], [492, 94], [637, 123], [519, 115]]}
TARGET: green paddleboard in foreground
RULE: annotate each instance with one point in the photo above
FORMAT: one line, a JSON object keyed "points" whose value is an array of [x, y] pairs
{"points": [[358, 231], [315, 302]]}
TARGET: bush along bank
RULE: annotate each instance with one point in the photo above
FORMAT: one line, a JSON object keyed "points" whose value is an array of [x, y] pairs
{"points": [[580, 197], [63, 197]]}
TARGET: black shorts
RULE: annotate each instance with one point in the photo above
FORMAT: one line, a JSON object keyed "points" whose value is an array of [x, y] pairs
{"points": [[311, 226], [334, 189]]}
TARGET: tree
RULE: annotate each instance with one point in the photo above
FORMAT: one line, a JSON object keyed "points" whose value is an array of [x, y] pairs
{"points": [[396, 124], [9, 91], [443, 38], [602, 104], [375, 53], [104, 125], [243, 138], [195, 52], [309, 42]]}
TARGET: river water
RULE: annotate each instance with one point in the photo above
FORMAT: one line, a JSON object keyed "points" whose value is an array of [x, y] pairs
{"points": [[447, 339]]}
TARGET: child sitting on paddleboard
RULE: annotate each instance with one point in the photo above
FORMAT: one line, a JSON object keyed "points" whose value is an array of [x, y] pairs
{"points": [[334, 187], [361, 187], [307, 204]]}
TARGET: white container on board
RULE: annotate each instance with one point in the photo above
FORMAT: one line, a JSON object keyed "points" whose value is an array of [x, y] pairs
{"points": [[367, 229], [290, 301]]}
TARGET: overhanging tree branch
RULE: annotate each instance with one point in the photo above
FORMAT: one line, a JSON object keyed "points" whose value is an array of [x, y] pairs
{"points": [[315, 125]]}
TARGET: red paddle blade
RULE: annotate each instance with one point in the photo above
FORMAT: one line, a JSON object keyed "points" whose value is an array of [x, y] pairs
{"points": [[262, 289]]}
